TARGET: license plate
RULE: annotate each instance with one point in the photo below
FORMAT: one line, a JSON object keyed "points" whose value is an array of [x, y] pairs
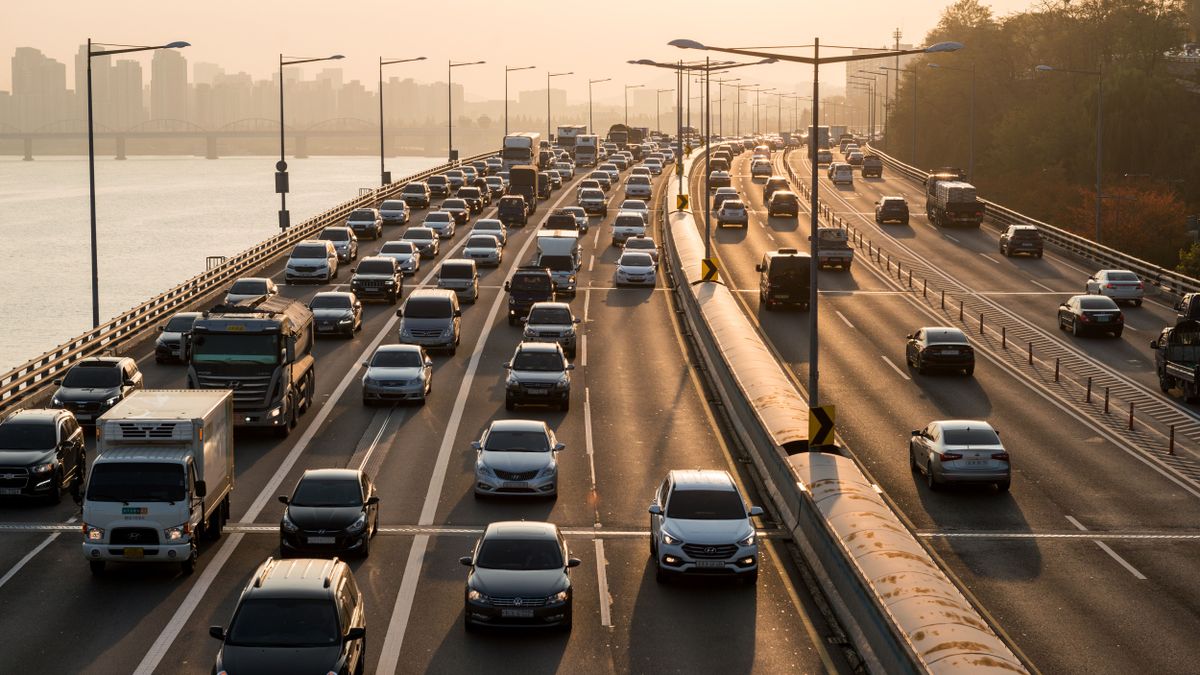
{"points": [[517, 613], [1102, 317], [710, 563], [10, 491], [976, 462], [538, 392], [514, 485], [782, 296], [321, 540], [950, 352], [327, 325], [134, 553]]}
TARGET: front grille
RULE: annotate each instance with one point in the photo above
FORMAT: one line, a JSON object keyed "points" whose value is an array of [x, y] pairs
{"points": [[83, 406], [515, 475], [431, 333], [519, 602], [249, 391], [370, 283], [135, 536], [710, 551], [537, 385], [306, 269], [13, 477], [549, 334]]}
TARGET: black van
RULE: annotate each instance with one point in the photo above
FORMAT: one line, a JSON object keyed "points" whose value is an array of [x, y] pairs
{"points": [[784, 279]]}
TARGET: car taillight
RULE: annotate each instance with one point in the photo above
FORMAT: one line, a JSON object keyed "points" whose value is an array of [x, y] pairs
{"points": [[951, 455], [1110, 285], [1002, 456], [1084, 318], [1140, 286]]}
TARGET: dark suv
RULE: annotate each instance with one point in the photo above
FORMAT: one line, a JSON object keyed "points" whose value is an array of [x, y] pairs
{"points": [[439, 186], [1021, 239], [527, 286], [41, 453], [378, 277], [296, 616], [95, 384], [560, 219], [891, 210], [512, 210]]}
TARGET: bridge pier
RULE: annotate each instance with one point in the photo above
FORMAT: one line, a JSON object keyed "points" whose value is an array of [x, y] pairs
{"points": [[301, 146], [28, 141], [210, 147], [120, 147]]}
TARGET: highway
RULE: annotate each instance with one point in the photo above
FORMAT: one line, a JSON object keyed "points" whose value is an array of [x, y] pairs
{"points": [[1086, 563], [638, 410]]}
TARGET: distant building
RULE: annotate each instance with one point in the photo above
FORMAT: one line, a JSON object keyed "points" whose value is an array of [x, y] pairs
{"points": [[39, 89], [168, 86]]}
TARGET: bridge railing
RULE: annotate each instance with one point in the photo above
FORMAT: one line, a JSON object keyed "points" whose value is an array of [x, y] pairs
{"points": [[1166, 279], [27, 380]]}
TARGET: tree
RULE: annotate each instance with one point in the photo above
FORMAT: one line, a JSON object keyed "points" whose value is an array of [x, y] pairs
{"points": [[1145, 221]]}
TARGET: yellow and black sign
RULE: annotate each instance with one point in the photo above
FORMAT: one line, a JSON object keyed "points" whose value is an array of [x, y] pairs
{"points": [[681, 202], [820, 425], [708, 270]]}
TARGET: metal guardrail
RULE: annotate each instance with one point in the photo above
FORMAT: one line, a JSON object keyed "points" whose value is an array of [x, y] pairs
{"points": [[28, 379], [1168, 280]]}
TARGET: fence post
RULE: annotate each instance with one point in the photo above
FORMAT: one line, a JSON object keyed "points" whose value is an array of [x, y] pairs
{"points": [[910, 278], [1089, 390], [1004, 337], [1106, 400], [1131, 415], [943, 299], [1031, 352], [1056, 369], [1171, 446]]}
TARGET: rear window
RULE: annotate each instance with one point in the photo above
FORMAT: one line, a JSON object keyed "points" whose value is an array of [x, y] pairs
{"points": [[454, 204], [946, 338], [1097, 302], [1122, 276], [639, 180], [469, 192], [393, 205], [335, 235], [450, 271], [971, 437]]}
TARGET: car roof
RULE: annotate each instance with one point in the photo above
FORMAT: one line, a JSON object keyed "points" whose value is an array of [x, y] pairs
{"points": [[547, 304], [34, 416], [376, 257], [459, 263], [288, 578], [521, 529], [100, 361], [702, 479], [400, 348], [443, 293], [943, 332], [539, 347], [963, 424], [517, 425], [331, 474]]}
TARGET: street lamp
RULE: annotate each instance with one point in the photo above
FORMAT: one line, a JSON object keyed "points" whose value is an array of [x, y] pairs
{"points": [[120, 49], [971, 152], [384, 176], [757, 100], [816, 61], [591, 124], [1099, 127], [627, 88], [869, 83], [869, 92], [508, 70], [658, 109], [737, 108], [281, 177], [451, 153], [548, 76]]}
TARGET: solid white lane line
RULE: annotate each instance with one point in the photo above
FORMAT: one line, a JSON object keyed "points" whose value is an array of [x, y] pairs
{"points": [[947, 236], [587, 433], [1113, 554], [370, 449], [591, 263], [602, 584], [27, 557], [1036, 283], [843, 318], [990, 258], [896, 368], [583, 350]]}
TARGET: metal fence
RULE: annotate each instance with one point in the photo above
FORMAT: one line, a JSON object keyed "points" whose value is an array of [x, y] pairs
{"points": [[28, 379]]}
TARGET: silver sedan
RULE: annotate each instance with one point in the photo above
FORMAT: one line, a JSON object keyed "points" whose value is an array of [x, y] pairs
{"points": [[959, 451], [484, 249], [407, 256], [397, 373]]}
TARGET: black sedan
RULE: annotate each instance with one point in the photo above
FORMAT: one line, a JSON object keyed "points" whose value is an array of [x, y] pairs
{"points": [[942, 347], [331, 512], [337, 313], [459, 209], [1091, 314], [891, 210], [520, 576]]}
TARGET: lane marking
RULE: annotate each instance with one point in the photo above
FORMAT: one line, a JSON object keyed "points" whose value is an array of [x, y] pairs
{"points": [[901, 373], [602, 585], [844, 319], [596, 237], [1112, 554], [990, 258], [948, 236], [591, 263], [1076, 523], [12, 572], [583, 350], [587, 434], [587, 300], [370, 449], [1036, 283], [772, 237]]}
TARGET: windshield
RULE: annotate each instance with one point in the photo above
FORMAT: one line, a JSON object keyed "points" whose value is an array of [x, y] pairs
{"points": [[558, 263], [335, 235], [706, 505], [179, 324], [449, 271], [550, 315], [310, 252], [397, 247], [636, 260], [386, 267], [732, 205], [330, 302], [519, 554], [454, 204], [393, 205], [591, 193], [284, 622], [971, 437], [633, 205], [396, 359], [18, 436], [545, 362], [362, 214], [517, 154], [137, 482], [416, 233], [517, 441], [236, 348], [248, 287], [329, 492], [88, 377], [947, 338], [426, 308], [438, 217], [469, 192], [530, 282]]}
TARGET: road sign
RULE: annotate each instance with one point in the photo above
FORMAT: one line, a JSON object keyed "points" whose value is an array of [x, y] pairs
{"points": [[820, 425], [708, 269], [681, 202]]}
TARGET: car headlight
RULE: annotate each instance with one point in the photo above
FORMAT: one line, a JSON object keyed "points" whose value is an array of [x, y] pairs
{"points": [[446, 332], [512, 382], [571, 279], [475, 596], [389, 282], [484, 469], [529, 334], [276, 411], [288, 526], [404, 332], [747, 541], [563, 382], [669, 539], [368, 381], [175, 533], [56, 401], [112, 401], [93, 533], [550, 470], [43, 468], [559, 597], [358, 525], [345, 320]]}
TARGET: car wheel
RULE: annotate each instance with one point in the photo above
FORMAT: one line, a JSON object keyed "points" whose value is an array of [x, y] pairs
{"points": [[1164, 383], [56, 488], [912, 460], [365, 551], [1075, 329], [751, 578], [661, 575], [512, 320], [1137, 303], [1117, 334], [1003, 485], [969, 370], [930, 481], [919, 365]]}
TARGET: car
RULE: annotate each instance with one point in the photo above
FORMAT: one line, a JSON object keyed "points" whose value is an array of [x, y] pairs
{"points": [[872, 165], [638, 187], [640, 171], [174, 341], [492, 226], [559, 219], [761, 167], [733, 212], [42, 453], [330, 512], [311, 260], [250, 288], [519, 576], [439, 186], [602, 179], [394, 212], [783, 203], [1091, 314], [718, 179], [483, 249], [416, 194], [644, 244], [495, 186], [366, 223], [517, 457], [891, 209], [460, 276], [378, 277], [494, 164], [556, 180], [854, 158], [840, 172], [637, 206], [528, 285], [552, 322], [431, 318], [655, 166], [441, 222], [336, 312], [456, 179], [405, 254], [1120, 285], [469, 174], [296, 616], [620, 161], [455, 207], [635, 268], [94, 384], [397, 373], [593, 202], [538, 374], [940, 347], [1188, 307], [581, 218], [824, 157], [627, 224], [1021, 239], [721, 194], [565, 169], [959, 451], [512, 210], [425, 239], [774, 183], [344, 242], [699, 524], [473, 196], [481, 167]]}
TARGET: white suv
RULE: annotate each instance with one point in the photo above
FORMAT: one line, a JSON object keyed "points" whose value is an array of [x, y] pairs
{"points": [[699, 524], [312, 260]]}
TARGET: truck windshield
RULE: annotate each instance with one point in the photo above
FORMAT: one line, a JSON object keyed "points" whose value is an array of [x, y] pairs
{"points": [[236, 348], [517, 154], [137, 482]]}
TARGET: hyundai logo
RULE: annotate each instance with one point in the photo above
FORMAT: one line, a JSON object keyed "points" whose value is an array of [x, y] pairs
{"points": [[134, 536], [234, 384], [710, 549]]}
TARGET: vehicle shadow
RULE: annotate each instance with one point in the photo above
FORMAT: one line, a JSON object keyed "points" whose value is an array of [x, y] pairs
{"points": [[783, 223], [897, 231], [628, 296], [518, 651]]}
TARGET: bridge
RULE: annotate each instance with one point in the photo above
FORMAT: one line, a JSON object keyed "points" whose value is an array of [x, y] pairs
{"points": [[1081, 566]]}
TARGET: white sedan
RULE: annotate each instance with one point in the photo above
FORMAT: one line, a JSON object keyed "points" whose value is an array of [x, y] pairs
{"points": [[1120, 285], [407, 256], [484, 249], [638, 206], [635, 268]]}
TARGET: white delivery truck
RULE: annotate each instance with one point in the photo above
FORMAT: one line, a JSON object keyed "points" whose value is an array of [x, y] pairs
{"points": [[587, 148], [521, 149], [559, 252], [162, 477]]}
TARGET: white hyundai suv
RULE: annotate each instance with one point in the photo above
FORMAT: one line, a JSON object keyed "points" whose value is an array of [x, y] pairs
{"points": [[699, 524]]}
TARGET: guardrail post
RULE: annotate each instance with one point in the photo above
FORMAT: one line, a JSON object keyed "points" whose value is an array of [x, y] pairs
{"points": [[943, 306], [1106, 400], [1131, 415], [1056, 369], [924, 288], [1004, 337], [960, 310], [1031, 352], [889, 262], [899, 275], [981, 323], [1171, 444], [1089, 390], [910, 278]]}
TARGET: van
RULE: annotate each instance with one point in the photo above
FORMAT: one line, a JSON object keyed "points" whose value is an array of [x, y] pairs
{"points": [[460, 276], [783, 279], [431, 318]]}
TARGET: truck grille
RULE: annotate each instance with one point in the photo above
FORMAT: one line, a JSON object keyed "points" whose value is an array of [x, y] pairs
{"points": [[135, 536], [13, 477], [515, 475], [249, 391], [710, 551], [432, 333]]}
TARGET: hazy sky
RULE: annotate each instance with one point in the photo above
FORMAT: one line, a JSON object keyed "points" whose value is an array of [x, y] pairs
{"points": [[593, 39]]}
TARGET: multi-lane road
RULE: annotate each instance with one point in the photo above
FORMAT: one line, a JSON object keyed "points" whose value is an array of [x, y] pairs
{"points": [[638, 410], [1087, 564]]}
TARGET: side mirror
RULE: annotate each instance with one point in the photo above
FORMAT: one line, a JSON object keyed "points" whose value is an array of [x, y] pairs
{"points": [[507, 365], [758, 268], [756, 511], [570, 366], [399, 311], [428, 361], [283, 499], [574, 562], [576, 320], [365, 364], [476, 445], [506, 286], [353, 270], [916, 432], [458, 312], [58, 382], [356, 633], [465, 561], [201, 488], [910, 336], [559, 447], [655, 510], [372, 501], [217, 632], [1154, 344]]}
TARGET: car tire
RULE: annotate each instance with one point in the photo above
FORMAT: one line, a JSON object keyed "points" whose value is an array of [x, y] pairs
{"points": [[565, 406], [930, 480], [392, 299], [1075, 330], [919, 365], [1137, 303], [188, 565], [56, 488], [969, 370], [1117, 334], [912, 460], [1164, 383], [661, 575]]}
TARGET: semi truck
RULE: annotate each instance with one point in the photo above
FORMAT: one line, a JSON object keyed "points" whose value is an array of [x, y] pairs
{"points": [[833, 248], [950, 200], [520, 149], [587, 149], [262, 350], [818, 139], [1177, 358], [523, 180], [626, 136], [559, 252], [162, 478]]}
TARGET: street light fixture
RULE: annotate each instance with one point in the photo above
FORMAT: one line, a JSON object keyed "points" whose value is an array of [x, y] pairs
{"points": [[120, 49], [508, 70], [281, 175], [591, 124], [1099, 128], [816, 62], [384, 176], [971, 152], [548, 76], [627, 88], [452, 154]]}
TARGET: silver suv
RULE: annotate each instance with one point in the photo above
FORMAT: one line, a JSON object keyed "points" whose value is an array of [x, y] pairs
{"points": [[552, 322], [699, 524]]}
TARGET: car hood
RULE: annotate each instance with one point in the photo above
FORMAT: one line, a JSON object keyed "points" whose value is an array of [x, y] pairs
{"points": [[519, 583], [25, 457], [630, 269], [708, 531], [424, 324], [516, 461], [87, 393], [360, 275], [281, 660], [231, 298], [323, 517], [382, 373], [340, 244], [167, 336], [537, 375], [331, 314], [392, 212], [307, 262]]}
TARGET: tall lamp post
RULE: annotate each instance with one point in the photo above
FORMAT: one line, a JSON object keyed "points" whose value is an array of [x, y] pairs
{"points": [[548, 76], [971, 151], [281, 176], [658, 108], [384, 176], [757, 101], [120, 49], [452, 154], [737, 108], [627, 88], [816, 62], [869, 83], [721, 103], [868, 92], [591, 124], [1099, 74], [508, 70]]}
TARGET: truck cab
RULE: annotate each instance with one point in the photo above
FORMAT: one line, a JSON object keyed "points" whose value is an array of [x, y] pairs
{"points": [[558, 251]]}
